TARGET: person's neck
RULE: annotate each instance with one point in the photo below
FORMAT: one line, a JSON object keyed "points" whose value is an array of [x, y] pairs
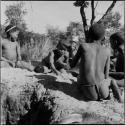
{"points": [[12, 39], [121, 48], [96, 42]]}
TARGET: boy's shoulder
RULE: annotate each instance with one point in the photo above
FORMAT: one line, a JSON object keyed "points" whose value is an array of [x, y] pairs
{"points": [[107, 49], [88, 46], [4, 41], [84, 45], [96, 47]]}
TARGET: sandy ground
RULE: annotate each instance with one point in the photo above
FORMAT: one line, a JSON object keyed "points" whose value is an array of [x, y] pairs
{"points": [[64, 92]]}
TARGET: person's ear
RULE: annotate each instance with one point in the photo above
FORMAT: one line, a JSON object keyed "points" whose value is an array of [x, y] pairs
{"points": [[115, 44]]}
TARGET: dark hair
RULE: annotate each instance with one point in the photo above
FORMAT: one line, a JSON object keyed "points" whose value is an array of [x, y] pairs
{"points": [[117, 39], [96, 31], [9, 29], [61, 46], [8, 35]]}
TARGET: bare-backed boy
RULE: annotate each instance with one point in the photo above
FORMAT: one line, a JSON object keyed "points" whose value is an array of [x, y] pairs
{"points": [[93, 81]]}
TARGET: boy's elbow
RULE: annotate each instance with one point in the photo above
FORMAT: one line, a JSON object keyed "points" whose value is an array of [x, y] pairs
{"points": [[72, 65], [106, 75], [19, 58]]}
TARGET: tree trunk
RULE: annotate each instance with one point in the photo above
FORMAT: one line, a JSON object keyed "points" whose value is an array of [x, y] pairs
{"points": [[108, 10], [84, 20], [85, 26]]}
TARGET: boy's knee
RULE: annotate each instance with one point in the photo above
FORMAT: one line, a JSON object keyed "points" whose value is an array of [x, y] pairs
{"points": [[39, 69], [113, 82], [4, 64]]}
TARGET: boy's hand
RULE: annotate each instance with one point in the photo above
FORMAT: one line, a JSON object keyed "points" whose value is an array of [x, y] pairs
{"points": [[58, 73], [13, 64], [16, 63], [66, 66], [66, 54]]}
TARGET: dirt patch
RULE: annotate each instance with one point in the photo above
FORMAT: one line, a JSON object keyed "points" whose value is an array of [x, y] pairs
{"points": [[30, 98]]}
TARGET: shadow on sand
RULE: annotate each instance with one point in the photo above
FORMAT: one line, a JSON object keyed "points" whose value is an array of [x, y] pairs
{"points": [[50, 82], [39, 112]]}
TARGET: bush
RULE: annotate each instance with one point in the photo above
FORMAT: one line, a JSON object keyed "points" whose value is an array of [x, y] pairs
{"points": [[35, 47]]}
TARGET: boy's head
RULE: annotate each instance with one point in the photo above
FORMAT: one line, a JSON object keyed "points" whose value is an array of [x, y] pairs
{"points": [[117, 39], [74, 43], [61, 46], [97, 32], [12, 31]]}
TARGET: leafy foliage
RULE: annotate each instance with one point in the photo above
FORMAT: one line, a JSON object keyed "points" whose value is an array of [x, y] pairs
{"points": [[15, 14], [81, 3], [112, 20], [85, 4], [31, 45], [36, 46], [74, 28]]}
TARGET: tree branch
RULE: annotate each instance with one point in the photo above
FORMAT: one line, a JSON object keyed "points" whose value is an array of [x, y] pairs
{"points": [[93, 12], [108, 10], [96, 5], [82, 12]]}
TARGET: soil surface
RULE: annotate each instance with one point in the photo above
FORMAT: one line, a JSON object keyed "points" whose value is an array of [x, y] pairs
{"points": [[36, 98]]}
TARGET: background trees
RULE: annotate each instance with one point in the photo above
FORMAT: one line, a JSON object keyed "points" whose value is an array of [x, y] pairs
{"points": [[85, 4], [35, 46], [15, 14]]}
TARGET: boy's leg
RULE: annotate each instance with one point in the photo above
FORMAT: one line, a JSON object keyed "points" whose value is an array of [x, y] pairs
{"points": [[104, 88], [4, 64], [63, 71], [25, 65], [105, 85], [115, 90], [120, 83], [117, 75], [67, 74]]}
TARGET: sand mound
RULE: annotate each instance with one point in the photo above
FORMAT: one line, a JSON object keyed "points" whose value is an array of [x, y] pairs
{"points": [[30, 98]]}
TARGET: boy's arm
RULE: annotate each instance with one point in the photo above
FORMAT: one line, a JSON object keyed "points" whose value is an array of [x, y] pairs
{"points": [[60, 61], [76, 57], [117, 75], [51, 59], [107, 67], [18, 53], [6, 60], [63, 64], [3, 58]]}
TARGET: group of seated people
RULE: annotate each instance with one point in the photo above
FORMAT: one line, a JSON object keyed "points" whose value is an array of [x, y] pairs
{"points": [[94, 60]]}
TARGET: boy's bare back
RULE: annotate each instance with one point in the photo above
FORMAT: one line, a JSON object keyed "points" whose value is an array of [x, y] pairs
{"points": [[93, 62], [93, 81]]}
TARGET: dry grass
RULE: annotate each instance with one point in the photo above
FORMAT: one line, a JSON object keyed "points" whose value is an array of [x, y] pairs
{"points": [[38, 51]]}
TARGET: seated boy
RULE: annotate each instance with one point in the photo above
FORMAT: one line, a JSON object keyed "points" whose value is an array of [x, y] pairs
{"points": [[57, 60], [117, 45], [93, 81], [11, 50]]}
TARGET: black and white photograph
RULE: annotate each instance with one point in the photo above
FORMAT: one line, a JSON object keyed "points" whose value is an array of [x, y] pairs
{"points": [[62, 62]]}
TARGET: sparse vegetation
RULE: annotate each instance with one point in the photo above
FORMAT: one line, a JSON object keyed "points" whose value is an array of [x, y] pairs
{"points": [[36, 46]]}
